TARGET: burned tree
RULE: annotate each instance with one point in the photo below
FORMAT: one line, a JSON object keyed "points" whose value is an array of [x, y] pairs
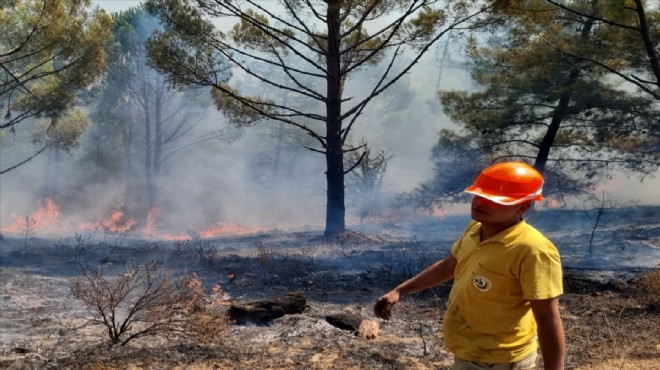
{"points": [[308, 49]]}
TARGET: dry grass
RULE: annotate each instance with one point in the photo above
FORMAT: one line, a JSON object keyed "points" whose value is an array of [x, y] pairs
{"points": [[609, 328]]}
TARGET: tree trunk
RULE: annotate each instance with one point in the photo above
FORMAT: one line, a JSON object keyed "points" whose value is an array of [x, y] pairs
{"points": [[557, 118], [278, 152], [335, 210], [128, 161], [562, 108], [148, 166], [97, 165], [157, 147], [50, 178], [644, 29]]}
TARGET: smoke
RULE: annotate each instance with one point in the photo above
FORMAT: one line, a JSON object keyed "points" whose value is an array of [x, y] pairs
{"points": [[231, 180], [202, 186], [235, 182], [631, 190]]}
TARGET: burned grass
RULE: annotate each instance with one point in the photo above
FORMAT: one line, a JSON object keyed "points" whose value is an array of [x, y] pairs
{"points": [[608, 322]]}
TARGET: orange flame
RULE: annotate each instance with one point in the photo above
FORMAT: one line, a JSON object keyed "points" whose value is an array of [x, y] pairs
{"points": [[48, 217], [436, 212], [223, 229], [150, 226], [44, 217], [116, 223], [554, 203]]}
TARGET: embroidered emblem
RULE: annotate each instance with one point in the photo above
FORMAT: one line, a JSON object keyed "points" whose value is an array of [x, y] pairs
{"points": [[482, 283]]}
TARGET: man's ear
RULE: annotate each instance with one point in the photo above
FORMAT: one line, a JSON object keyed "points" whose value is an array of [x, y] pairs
{"points": [[524, 207]]}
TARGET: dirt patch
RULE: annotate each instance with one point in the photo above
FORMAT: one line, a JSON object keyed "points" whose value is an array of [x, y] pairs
{"points": [[42, 326]]}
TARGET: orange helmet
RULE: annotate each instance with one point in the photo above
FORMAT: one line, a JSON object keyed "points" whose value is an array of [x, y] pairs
{"points": [[508, 183]]}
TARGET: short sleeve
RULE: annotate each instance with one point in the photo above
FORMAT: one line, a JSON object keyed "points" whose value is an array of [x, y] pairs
{"points": [[455, 249], [541, 274]]}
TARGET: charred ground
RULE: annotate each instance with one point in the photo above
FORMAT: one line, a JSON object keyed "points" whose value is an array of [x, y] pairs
{"points": [[608, 325]]}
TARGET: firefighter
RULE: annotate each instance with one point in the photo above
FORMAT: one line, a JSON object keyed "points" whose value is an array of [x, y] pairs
{"points": [[504, 301]]}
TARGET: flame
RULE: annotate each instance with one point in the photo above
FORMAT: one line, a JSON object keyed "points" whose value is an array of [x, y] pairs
{"points": [[150, 226], [116, 223], [49, 217], [554, 203], [436, 212], [223, 228], [173, 237], [44, 217]]}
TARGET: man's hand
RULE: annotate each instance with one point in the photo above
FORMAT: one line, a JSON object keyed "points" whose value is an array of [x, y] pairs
{"points": [[433, 275], [384, 304]]}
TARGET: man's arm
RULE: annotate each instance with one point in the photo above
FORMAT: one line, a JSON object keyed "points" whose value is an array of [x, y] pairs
{"points": [[433, 275], [550, 332]]}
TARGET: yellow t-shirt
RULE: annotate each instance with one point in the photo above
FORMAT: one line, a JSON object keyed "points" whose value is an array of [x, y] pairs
{"points": [[488, 317]]}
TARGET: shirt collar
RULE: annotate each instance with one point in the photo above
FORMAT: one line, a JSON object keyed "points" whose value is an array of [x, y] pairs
{"points": [[504, 237]]}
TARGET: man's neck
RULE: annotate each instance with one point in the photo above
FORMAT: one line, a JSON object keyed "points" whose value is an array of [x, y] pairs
{"points": [[490, 230]]}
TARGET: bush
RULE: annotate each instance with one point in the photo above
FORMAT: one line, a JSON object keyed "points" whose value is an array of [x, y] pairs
{"points": [[206, 314], [647, 290], [142, 301]]}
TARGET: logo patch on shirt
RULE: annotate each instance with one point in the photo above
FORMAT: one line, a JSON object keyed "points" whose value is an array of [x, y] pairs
{"points": [[482, 283]]}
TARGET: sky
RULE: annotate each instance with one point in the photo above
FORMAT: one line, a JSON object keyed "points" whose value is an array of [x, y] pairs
{"points": [[115, 5]]}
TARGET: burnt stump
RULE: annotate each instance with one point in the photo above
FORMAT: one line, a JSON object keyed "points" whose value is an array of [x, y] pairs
{"points": [[263, 312]]}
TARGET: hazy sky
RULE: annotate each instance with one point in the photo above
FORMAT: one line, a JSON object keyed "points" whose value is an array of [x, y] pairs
{"points": [[115, 5]]}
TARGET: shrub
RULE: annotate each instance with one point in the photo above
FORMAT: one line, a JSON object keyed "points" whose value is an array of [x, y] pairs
{"points": [[135, 303], [206, 316], [647, 290], [141, 301]]}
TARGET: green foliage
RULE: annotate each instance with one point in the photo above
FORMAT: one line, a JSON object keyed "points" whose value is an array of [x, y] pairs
{"points": [[64, 132], [542, 103], [61, 52], [254, 31], [426, 24], [182, 48], [238, 108], [50, 51]]}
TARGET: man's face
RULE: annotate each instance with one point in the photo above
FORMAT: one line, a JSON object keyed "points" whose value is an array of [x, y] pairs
{"points": [[491, 213]]}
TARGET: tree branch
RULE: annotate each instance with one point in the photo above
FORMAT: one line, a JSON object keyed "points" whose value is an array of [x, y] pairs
{"points": [[23, 162]]}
